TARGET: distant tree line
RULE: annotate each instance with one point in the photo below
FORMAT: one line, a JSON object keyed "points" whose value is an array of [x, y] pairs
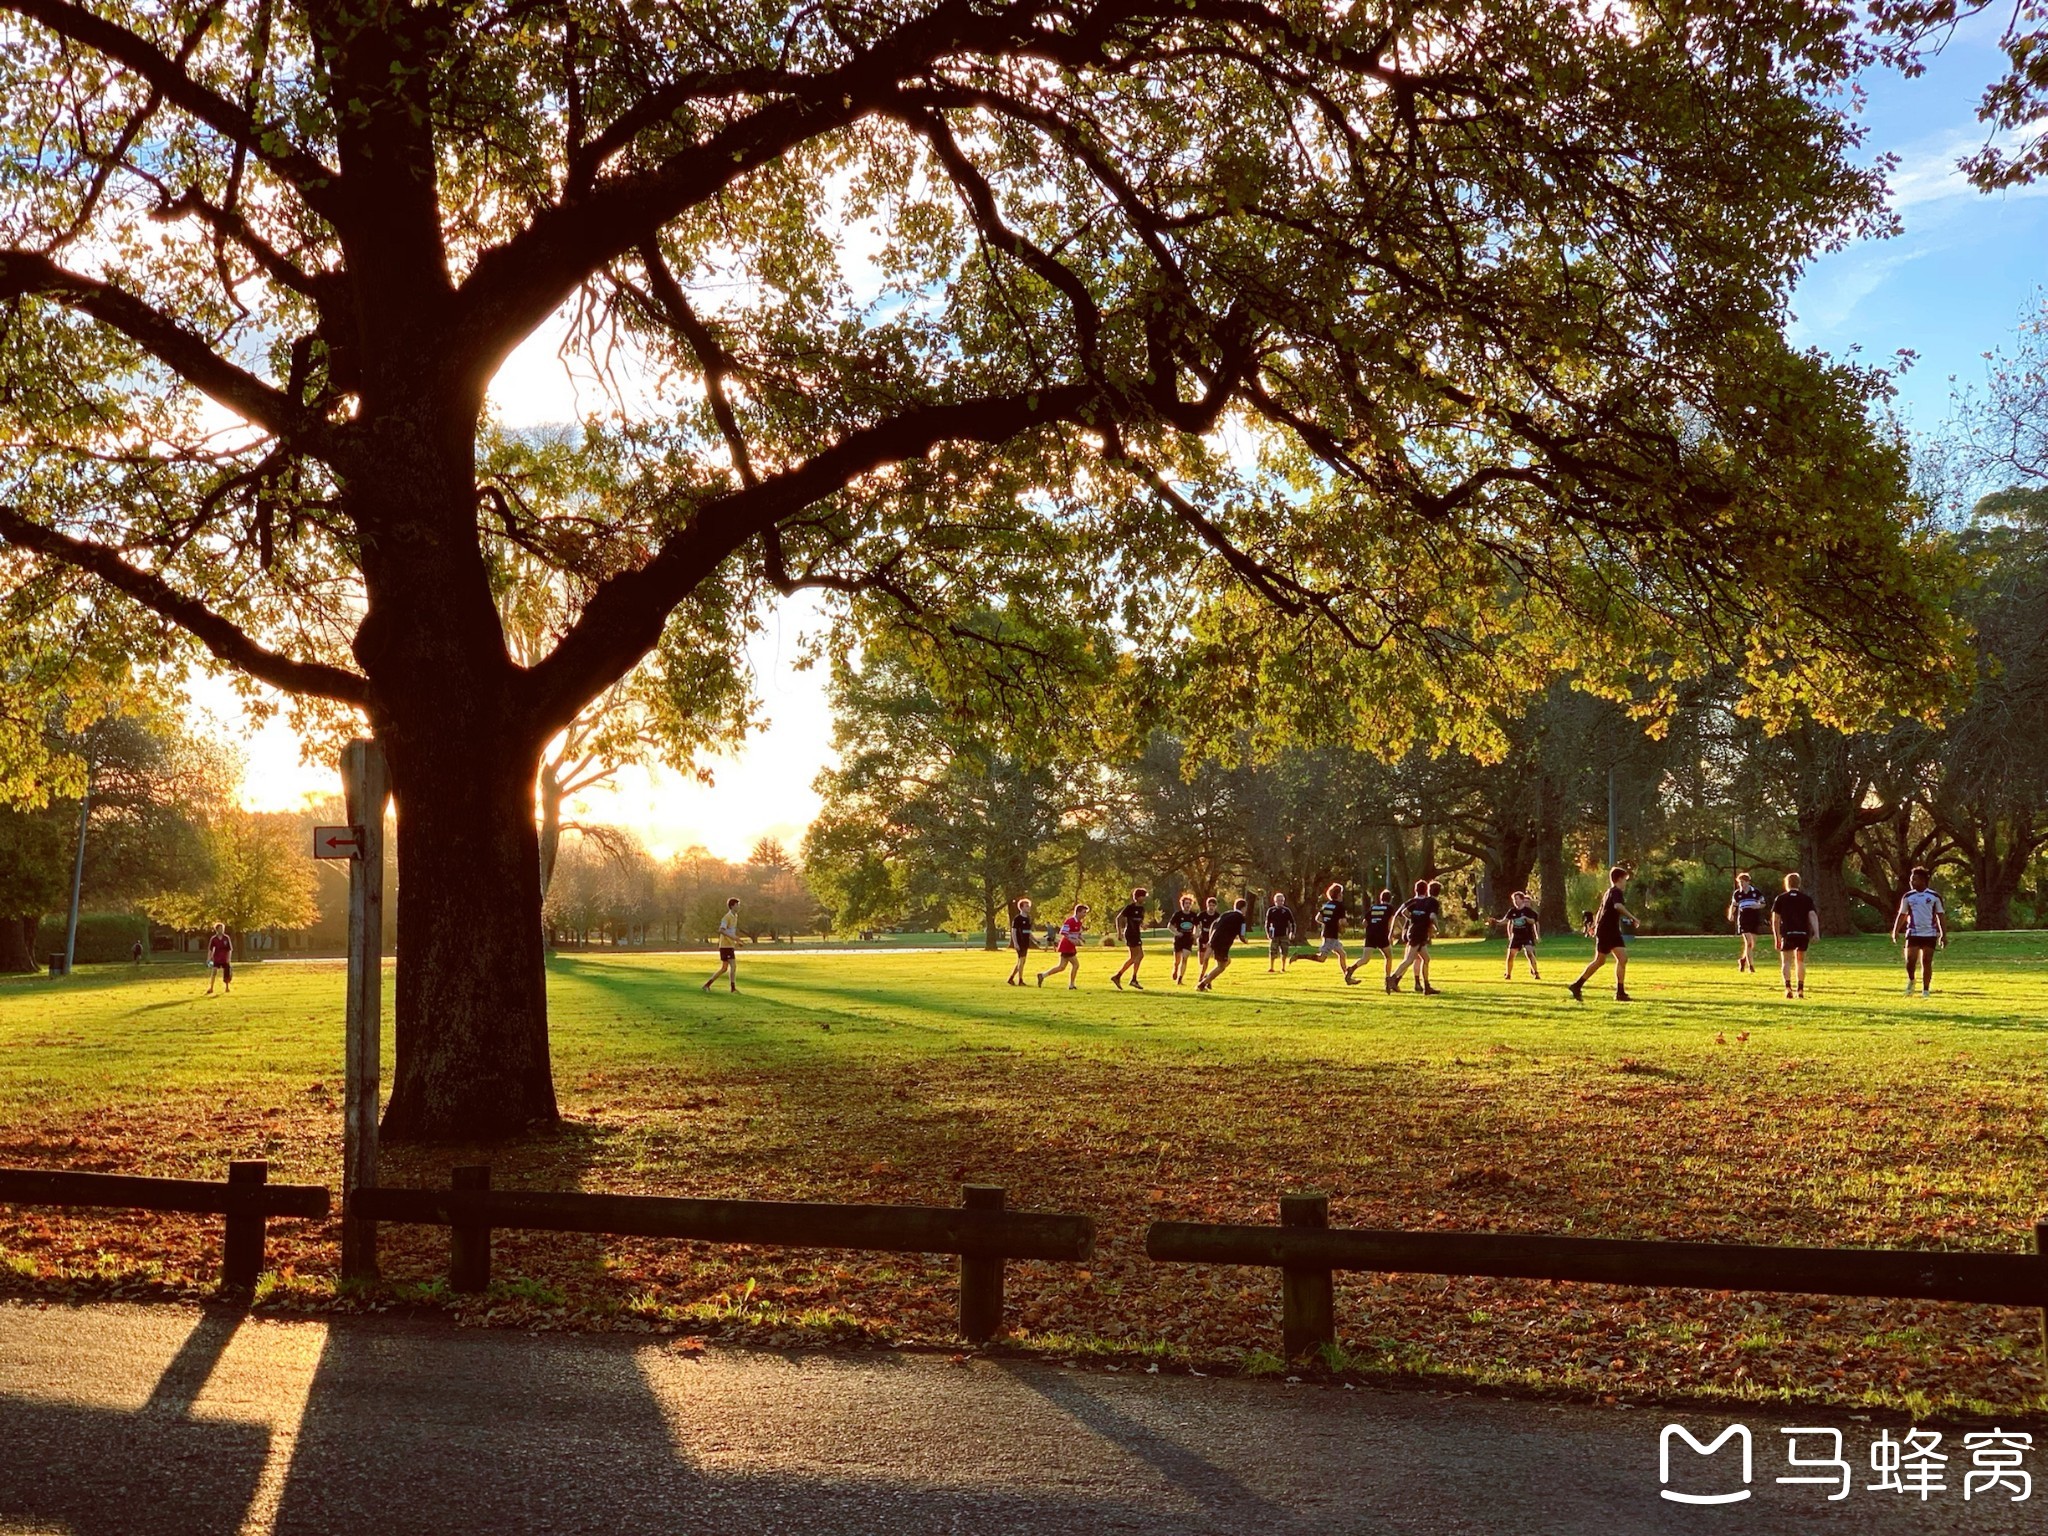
{"points": [[608, 890], [936, 816]]}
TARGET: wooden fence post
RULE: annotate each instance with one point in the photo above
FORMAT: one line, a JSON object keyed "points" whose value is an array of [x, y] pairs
{"points": [[981, 1280], [241, 1249], [1308, 1297], [469, 1247], [2041, 1248]]}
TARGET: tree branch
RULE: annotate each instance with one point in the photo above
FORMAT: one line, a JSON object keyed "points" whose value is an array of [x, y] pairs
{"points": [[226, 640], [623, 619], [313, 180], [185, 353]]}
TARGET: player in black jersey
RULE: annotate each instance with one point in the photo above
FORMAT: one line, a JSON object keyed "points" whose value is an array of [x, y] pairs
{"points": [[1228, 929], [1610, 938], [1130, 927], [1205, 923], [1184, 923], [1379, 936], [1330, 926], [1748, 906], [1279, 931], [1795, 923], [1424, 911], [1021, 939], [1523, 931]]}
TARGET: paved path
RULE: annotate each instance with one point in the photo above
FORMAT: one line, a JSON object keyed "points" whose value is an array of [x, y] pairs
{"points": [[135, 1421]]}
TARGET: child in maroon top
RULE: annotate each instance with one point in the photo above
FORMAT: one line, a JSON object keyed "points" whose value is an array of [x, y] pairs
{"points": [[220, 954]]}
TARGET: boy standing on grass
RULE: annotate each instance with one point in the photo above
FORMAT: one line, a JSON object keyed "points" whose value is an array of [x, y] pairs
{"points": [[1182, 924], [1130, 927], [1069, 947], [1279, 931], [1229, 928], [1746, 910], [220, 957], [1925, 920], [1795, 923], [1523, 931], [1020, 940], [728, 947], [1610, 939]]}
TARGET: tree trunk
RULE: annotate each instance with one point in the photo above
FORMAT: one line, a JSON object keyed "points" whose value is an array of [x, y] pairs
{"points": [[471, 1017], [18, 942], [550, 825], [1553, 909], [470, 1026]]}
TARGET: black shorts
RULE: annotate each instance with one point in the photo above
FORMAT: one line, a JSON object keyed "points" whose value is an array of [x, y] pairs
{"points": [[1183, 943], [1794, 943], [1220, 951], [1749, 922], [1134, 941], [1419, 939], [1922, 943], [1608, 941], [1521, 941], [725, 956], [1024, 946], [1377, 938], [226, 969]]}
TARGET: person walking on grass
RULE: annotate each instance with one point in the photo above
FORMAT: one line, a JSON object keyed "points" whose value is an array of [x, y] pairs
{"points": [[1330, 925], [1229, 928], [1130, 927], [1379, 937], [1746, 908], [728, 948], [1205, 924], [1925, 921], [1795, 923], [220, 960], [1423, 911], [1610, 938], [1523, 931], [1069, 947], [1020, 940], [1279, 931], [1183, 923]]}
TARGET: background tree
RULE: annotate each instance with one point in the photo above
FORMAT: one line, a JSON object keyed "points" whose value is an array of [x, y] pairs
{"points": [[259, 876], [1513, 274], [35, 870]]}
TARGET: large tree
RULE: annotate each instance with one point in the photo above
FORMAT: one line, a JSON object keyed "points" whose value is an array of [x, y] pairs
{"points": [[936, 305]]}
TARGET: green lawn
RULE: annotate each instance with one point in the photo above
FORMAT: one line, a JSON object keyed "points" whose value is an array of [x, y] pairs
{"points": [[1711, 1108]]}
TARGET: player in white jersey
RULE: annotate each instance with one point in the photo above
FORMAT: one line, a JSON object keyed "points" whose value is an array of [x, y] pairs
{"points": [[728, 948], [1923, 923]]}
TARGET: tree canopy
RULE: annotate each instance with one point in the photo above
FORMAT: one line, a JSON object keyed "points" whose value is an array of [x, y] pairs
{"points": [[1437, 336]]}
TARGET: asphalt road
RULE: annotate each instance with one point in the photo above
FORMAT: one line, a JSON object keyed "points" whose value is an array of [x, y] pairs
{"points": [[136, 1421]]}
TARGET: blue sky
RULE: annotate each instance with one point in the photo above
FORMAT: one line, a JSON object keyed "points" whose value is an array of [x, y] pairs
{"points": [[1953, 285]]}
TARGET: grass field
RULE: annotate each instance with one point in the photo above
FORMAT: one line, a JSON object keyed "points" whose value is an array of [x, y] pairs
{"points": [[1712, 1108]]}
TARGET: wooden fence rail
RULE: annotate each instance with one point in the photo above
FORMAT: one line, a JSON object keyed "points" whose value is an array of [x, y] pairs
{"points": [[247, 1200], [1307, 1250], [980, 1230]]}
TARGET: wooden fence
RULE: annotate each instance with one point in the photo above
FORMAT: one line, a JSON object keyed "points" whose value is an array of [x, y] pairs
{"points": [[980, 1230], [247, 1200], [1307, 1250]]}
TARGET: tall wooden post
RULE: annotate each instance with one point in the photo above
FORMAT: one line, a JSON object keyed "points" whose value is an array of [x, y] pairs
{"points": [[469, 1247], [366, 785], [1308, 1298]]}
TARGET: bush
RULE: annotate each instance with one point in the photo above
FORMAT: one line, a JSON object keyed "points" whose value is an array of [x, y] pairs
{"points": [[102, 936]]}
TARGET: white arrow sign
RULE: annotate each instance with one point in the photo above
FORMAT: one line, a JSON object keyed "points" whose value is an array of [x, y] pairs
{"points": [[337, 842]]}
